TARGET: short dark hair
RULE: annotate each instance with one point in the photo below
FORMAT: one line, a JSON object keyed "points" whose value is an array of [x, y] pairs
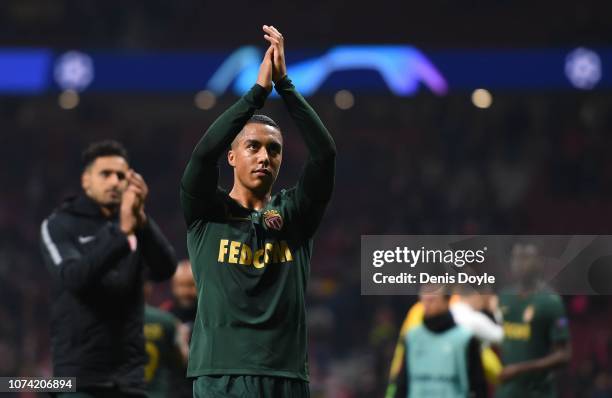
{"points": [[263, 119], [259, 119], [103, 148]]}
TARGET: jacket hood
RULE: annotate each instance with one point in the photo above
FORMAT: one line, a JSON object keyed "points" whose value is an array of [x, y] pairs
{"points": [[82, 204]]}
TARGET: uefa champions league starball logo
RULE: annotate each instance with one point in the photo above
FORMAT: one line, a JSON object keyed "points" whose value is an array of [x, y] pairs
{"points": [[74, 70], [583, 68]]}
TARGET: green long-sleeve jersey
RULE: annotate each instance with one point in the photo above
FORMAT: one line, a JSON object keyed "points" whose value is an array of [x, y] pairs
{"points": [[251, 267], [533, 324], [162, 348]]}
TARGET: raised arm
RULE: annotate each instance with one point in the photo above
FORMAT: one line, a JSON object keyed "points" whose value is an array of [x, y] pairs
{"points": [[75, 271], [157, 251], [153, 245], [318, 177], [316, 183], [200, 179]]}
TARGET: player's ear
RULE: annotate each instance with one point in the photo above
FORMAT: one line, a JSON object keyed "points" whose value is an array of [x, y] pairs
{"points": [[231, 158], [86, 179]]}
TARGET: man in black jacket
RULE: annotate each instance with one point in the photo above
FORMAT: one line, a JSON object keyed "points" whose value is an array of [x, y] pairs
{"points": [[98, 247]]}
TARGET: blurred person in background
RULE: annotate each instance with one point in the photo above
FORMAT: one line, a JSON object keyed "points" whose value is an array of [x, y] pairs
{"points": [[98, 246], [250, 250], [477, 311], [536, 331], [183, 305], [166, 347], [440, 358], [468, 307]]}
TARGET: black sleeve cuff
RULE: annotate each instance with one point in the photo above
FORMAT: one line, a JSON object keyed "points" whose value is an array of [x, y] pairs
{"points": [[146, 230], [257, 96], [119, 239], [283, 84]]}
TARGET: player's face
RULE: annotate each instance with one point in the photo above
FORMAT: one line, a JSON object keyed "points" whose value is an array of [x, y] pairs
{"points": [[434, 304], [256, 157], [105, 180], [525, 261], [183, 286]]}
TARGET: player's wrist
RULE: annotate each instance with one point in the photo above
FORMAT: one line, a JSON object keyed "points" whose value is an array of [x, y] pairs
{"points": [[280, 76], [126, 231], [264, 85], [525, 367], [127, 228], [257, 95], [283, 83]]}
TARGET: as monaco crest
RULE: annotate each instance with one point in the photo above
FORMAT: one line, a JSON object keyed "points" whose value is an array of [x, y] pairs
{"points": [[273, 219]]}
